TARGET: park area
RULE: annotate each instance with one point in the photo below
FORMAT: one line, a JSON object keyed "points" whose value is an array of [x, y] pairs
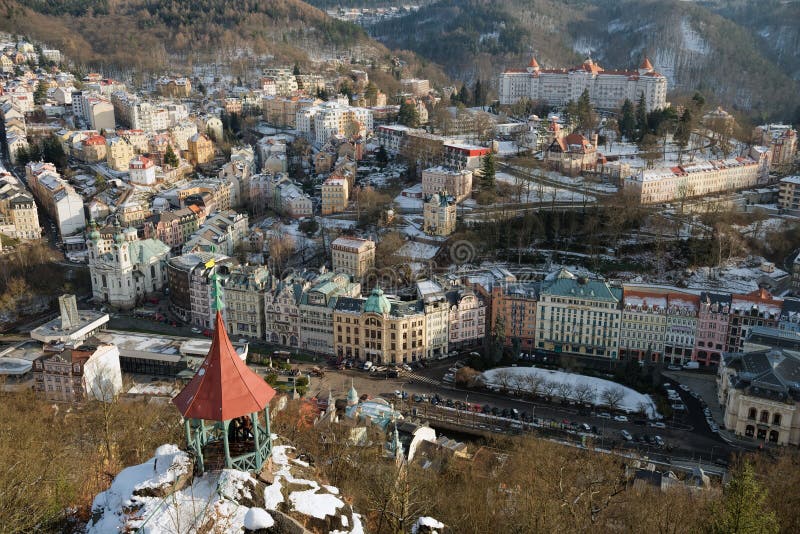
{"points": [[581, 389]]}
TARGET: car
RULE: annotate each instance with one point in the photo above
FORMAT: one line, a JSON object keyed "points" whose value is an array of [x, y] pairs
{"points": [[406, 367], [621, 418], [495, 411], [398, 394], [659, 441], [684, 387], [586, 427], [657, 424], [649, 439], [674, 367], [449, 378], [515, 413], [667, 385], [392, 374], [417, 398], [626, 435], [604, 415], [506, 412], [678, 407], [486, 408], [196, 330], [449, 403]]}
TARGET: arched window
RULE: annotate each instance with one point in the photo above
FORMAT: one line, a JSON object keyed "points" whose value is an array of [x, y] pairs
{"points": [[773, 436], [749, 431], [776, 419], [764, 417], [752, 413]]}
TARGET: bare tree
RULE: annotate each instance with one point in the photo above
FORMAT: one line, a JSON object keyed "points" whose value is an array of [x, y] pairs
{"points": [[565, 390], [533, 384], [612, 396], [585, 393], [503, 378], [549, 388]]}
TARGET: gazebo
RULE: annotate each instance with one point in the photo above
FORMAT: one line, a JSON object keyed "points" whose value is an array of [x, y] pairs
{"points": [[222, 408]]}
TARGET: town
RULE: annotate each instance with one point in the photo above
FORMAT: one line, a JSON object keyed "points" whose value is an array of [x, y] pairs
{"points": [[566, 256]]}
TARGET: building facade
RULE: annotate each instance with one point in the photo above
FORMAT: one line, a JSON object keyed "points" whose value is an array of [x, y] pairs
{"points": [[353, 256], [607, 89]]}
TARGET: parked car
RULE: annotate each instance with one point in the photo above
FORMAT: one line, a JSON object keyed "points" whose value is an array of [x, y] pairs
{"points": [[659, 441], [195, 330], [621, 418], [657, 424], [684, 387], [626, 435], [604, 415], [674, 367]]}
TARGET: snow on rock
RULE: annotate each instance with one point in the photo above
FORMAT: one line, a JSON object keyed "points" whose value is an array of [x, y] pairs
{"points": [[427, 525], [631, 401], [160, 496], [257, 518], [319, 505]]}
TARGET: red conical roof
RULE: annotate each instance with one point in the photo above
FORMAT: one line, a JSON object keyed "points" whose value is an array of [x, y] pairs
{"points": [[533, 63], [224, 387], [646, 64]]}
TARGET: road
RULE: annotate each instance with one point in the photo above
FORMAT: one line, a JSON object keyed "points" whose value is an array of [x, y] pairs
{"points": [[688, 438]]}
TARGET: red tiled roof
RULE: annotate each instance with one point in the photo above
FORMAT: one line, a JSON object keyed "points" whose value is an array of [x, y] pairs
{"points": [[533, 63], [95, 140], [646, 64], [224, 387]]}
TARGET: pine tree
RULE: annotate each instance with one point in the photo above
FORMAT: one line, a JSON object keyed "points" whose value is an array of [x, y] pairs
{"points": [[743, 509], [488, 172], [408, 115], [641, 117], [627, 125], [464, 95], [170, 158], [296, 69], [478, 94], [40, 95]]}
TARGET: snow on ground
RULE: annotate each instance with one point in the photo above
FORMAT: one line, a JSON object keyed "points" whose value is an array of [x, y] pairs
{"points": [[532, 193], [417, 251], [632, 401], [332, 222]]}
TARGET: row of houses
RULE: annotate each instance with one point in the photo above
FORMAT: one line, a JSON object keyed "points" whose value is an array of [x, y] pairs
{"points": [[575, 315], [325, 312]]}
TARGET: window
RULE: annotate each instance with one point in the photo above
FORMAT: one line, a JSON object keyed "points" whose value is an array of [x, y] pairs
{"points": [[776, 419], [764, 417]]}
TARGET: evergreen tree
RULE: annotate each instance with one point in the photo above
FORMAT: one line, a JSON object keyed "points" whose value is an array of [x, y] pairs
{"points": [[627, 125], [53, 152], [586, 118], [464, 96], [382, 157], [40, 95], [408, 115], [371, 94], [743, 509], [684, 129], [170, 158], [641, 118], [488, 172], [296, 69], [479, 94]]}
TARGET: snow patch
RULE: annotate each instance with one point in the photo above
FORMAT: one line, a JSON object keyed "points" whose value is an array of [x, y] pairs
{"points": [[257, 518], [427, 522], [311, 503]]}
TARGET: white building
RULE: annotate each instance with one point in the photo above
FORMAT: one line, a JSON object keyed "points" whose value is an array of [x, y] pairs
{"points": [[57, 197], [142, 170], [607, 89], [668, 184], [331, 119], [125, 269]]}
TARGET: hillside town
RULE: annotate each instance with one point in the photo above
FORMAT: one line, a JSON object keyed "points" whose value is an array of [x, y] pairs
{"points": [[579, 260]]}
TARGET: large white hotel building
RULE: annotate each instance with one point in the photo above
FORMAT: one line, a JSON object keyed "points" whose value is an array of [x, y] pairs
{"points": [[608, 89]]}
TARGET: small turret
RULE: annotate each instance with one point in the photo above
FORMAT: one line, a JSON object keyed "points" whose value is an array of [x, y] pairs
{"points": [[533, 66], [646, 66]]}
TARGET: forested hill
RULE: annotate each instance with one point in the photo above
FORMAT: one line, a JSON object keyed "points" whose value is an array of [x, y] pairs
{"points": [[143, 32], [692, 43]]}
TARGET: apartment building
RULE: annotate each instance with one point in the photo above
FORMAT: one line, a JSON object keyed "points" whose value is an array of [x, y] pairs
{"points": [[353, 256], [415, 86], [119, 153], [454, 182], [578, 315], [789, 193], [781, 141], [19, 218], [244, 291], [89, 372], [335, 195], [662, 185], [58, 198], [316, 310]]}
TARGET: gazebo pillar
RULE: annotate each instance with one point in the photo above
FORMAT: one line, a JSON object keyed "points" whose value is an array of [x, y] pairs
{"points": [[225, 444], [256, 441]]}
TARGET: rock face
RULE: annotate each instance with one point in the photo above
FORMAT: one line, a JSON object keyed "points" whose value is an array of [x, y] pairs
{"points": [[161, 496]]}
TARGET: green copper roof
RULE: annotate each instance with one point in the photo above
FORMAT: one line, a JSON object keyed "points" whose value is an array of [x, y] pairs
{"points": [[377, 303], [216, 292]]}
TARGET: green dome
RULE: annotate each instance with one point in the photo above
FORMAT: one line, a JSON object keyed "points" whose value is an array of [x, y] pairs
{"points": [[377, 303], [94, 235], [119, 238]]}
